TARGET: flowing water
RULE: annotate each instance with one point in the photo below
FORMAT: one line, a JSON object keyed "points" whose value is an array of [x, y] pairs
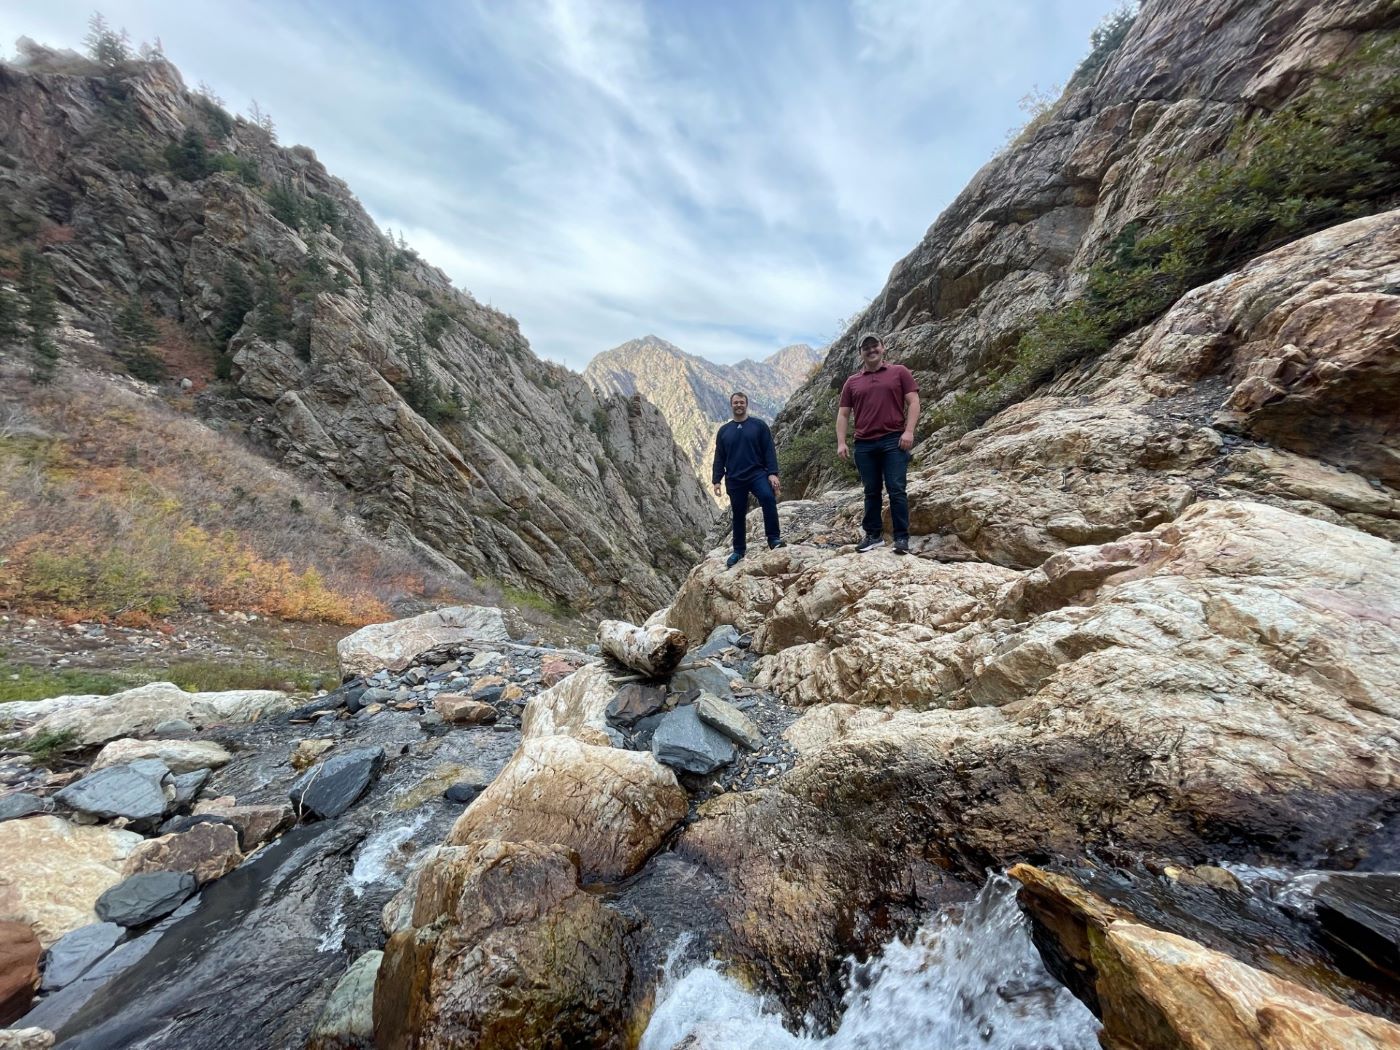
{"points": [[970, 979]]}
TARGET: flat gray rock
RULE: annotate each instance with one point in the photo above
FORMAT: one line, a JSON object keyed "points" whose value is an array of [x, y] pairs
{"points": [[729, 720], [684, 742], [721, 638], [187, 785], [23, 804], [634, 702], [144, 898], [707, 677], [347, 1019], [331, 787], [132, 791], [69, 957]]}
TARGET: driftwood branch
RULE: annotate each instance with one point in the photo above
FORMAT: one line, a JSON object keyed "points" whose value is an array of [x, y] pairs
{"points": [[654, 651]]}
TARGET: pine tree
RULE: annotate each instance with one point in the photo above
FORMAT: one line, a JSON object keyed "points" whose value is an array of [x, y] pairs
{"points": [[135, 333], [188, 158], [107, 47], [238, 300], [40, 313]]}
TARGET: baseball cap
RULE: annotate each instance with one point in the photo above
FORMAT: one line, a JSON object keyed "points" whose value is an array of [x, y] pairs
{"points": [[865, 337]]}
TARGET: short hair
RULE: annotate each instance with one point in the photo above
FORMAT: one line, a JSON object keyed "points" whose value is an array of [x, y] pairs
{"points": [[738, 393]]}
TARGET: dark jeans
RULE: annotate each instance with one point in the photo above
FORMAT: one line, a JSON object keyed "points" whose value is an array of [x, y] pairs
{"points": [[739, 504], [882, 460]]}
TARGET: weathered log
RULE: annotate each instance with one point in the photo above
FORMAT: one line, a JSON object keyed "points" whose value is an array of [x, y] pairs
{"points": [[654, 651]]}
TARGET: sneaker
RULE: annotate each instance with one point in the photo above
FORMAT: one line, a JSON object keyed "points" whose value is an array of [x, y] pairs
{"points": [[901, 546], [870, 543], [733, 559], [775, 544]]}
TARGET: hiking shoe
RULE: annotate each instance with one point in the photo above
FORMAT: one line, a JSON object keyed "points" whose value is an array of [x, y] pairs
{"points": [[733, 559], [869, 544], [901, 546], [775, 544]]}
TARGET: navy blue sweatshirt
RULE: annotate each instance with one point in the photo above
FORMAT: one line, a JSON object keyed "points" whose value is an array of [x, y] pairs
{"points": [[744, 450]]}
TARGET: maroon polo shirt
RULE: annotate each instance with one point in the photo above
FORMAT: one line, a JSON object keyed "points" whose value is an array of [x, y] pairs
{"points": [[876, 399]]}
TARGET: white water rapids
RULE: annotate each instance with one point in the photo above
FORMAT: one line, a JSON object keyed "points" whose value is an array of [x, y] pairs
{"points": [[970, 979]]}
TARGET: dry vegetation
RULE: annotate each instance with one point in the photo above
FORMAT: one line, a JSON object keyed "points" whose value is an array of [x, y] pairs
{"points": [[113, 505]]}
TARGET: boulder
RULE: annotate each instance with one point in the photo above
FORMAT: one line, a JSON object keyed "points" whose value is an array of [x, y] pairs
{"points": [[1360, 914], [188, 785], [69, 957], [19, 970], [23, 804], [347, 1020], [306, 752], [463, 710], [330, 788], [1164, 992], [26, 1039], [179, 756], [134, 792], [729, 720], [255, 824], [141, 899], [684, 742], [463, 792], [506, 951], [611, 807], [53, 872], [633, 702], [397, 644], [654, 651], [576, 706], [207, 851], [702, 676], [93, 720]]}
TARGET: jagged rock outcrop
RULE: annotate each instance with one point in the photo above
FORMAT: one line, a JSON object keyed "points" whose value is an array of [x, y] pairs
{"points": [[349, 359], [692, 393]]}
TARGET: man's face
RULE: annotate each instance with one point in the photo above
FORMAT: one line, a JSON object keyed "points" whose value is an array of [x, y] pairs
{"points": [[872, 351], [739, 404]]}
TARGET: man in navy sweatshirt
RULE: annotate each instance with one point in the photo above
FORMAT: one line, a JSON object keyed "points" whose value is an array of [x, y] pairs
{"points": [[748, 462]]}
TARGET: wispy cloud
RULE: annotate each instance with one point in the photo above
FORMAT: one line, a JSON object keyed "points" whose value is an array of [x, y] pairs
{"points": [[731, 177]]}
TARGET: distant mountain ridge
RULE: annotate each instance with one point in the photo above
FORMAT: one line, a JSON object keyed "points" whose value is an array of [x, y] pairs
{"points": [[693, 393]]}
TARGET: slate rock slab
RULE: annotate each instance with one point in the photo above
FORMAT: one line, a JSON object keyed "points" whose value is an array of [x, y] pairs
{"points": [[187, 785], [132, 791], [684, 742], [330, 788], [1360, 913], [142, 899], [729, 720], [721, 638], [71, 955], [706, 677], [23, 804], [634, 702]]}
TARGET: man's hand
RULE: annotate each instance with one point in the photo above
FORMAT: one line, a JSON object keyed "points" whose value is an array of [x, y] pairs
{"points": [[842, 451], [906, 440], [716, 488], [777, 485]]}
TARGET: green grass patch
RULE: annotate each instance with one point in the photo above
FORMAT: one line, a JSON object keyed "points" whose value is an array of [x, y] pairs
{"points": [[45, 745], [1330, 155], [20, 682], [539, 603]]}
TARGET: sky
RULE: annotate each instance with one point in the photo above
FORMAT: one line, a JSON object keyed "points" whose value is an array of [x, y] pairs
{"points": [[730, 175]]}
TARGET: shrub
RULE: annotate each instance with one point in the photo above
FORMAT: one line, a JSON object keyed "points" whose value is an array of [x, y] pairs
{"points": [[1107, 37]]}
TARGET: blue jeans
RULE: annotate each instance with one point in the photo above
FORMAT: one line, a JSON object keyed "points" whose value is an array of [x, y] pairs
{"points": [[739, 504], [882, 460]]}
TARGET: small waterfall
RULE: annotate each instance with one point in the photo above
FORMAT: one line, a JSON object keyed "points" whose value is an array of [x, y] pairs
{"points": [[970, 979], [374, 865]]}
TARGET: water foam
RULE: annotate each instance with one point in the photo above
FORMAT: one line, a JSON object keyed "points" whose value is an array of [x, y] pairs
{"points": [[970, 979]]}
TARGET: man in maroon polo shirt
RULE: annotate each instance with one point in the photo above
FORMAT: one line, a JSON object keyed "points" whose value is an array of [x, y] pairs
{"points": [[884, 398]]}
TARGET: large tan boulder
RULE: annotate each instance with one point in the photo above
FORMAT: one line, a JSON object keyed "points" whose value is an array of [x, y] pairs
{"points": [[179, 756], [94, 720], [52, 872], [506, 952], [1208, 1001], [611, 807], [577, 706], [396, 644]]}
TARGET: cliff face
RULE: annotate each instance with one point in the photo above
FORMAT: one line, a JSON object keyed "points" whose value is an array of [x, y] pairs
{"points": [[344, 356], [1217, 130], [692, 393]]}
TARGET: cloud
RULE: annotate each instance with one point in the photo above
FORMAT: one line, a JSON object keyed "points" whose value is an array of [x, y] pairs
{"points": [[732, 178]]}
